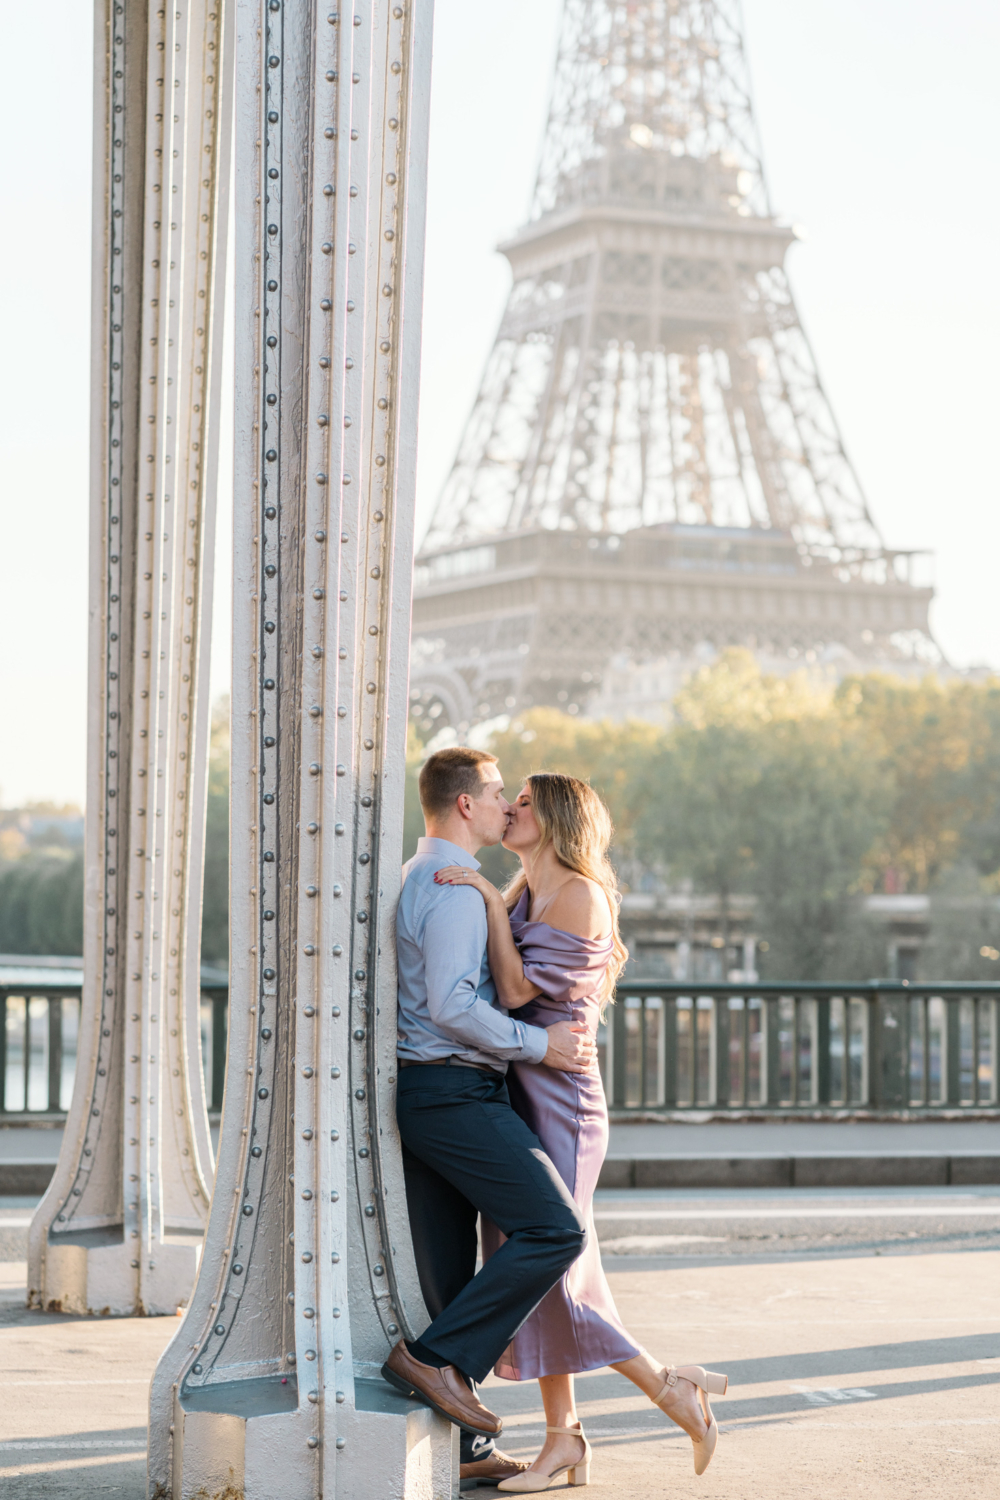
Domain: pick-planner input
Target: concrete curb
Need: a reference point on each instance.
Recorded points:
(763, 1170)
(22, 1178)
(915, 1169)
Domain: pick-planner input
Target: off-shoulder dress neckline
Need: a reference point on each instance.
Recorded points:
(576, 936)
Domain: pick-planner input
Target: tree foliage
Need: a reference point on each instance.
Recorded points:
(41, 904)
(805, 796)
(41, 892)
(215, 902)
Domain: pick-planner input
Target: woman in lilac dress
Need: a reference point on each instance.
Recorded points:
(555, 952)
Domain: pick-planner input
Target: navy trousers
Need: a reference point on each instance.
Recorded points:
(466, 1152)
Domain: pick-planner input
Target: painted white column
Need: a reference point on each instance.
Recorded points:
(120, 1228)
(271, 1385)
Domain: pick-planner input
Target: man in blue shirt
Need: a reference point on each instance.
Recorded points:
(465, 1151)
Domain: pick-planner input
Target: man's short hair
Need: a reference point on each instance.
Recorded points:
(446, 774)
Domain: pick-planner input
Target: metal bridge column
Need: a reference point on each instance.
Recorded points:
(120, 1227)
(271, 1385)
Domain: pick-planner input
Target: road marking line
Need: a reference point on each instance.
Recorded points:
(80, 1461)
(822, 1395)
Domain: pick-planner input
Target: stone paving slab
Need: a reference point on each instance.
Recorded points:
(874, 1377)
(854, 1371)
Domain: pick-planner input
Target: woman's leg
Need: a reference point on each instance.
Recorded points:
(560, 1411)
(680, 1403)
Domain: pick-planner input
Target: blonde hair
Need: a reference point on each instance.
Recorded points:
(573, 819)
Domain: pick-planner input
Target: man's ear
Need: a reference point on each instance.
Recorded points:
(464, 804)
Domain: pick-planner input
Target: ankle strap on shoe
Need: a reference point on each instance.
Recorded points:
(575, 1431)
(669, 1381)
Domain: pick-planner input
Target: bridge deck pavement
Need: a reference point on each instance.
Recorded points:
(871, 1369)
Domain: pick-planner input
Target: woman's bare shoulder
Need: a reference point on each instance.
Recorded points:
(581, 907)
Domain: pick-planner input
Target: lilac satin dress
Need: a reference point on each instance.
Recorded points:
(576, 1326)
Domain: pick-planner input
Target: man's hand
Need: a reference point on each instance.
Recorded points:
(571, 1048)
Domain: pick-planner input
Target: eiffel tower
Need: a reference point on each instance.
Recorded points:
(651, 470)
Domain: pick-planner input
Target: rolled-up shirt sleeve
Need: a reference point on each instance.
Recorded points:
(454, 938)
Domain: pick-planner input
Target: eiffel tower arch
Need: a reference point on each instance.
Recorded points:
(651, 469)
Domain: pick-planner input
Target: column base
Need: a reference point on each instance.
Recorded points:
(235, 1442)
(95, 1272)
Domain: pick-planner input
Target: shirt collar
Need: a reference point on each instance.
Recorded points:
(445, 849)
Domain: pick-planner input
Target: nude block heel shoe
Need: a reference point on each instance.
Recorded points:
(707, 1382)
(576, 1473)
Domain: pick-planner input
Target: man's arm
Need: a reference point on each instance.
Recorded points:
(453, 941)
(453, 938)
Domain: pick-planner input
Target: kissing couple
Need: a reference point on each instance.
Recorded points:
(503, 1117)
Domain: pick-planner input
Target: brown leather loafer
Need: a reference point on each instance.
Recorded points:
(490, 1470)
(443, 1389)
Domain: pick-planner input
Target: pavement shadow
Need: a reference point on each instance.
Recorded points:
(14, 1313)
(821, 1363)
(602, 1386)
(101, 1475)
(110, 1438)
(795, 1402)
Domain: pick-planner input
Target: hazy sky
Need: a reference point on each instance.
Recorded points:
(881, 125)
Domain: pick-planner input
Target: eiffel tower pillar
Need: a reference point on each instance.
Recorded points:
(120, 1228)
(271, 1386)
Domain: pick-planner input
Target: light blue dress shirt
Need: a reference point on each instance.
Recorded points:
(448, 1003)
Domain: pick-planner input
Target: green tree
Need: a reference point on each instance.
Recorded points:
(41, 904)
(215, 899)
(937, 743)
(819, 806)
(964, 937)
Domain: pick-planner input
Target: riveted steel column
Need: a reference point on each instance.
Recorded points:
(271, 1385)
(120, 1228)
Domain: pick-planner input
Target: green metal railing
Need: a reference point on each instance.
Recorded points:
(38, 1037)
(39, 1029)
(886, 1046)
(880, 1046)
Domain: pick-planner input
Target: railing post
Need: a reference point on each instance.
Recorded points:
(975, 1050)
(619, 1057)
(722, 1014)
(796, 1068)
(26, 1053)
(55, 1052)
(890, 1025)
(3, 1052)
(822, 1060)
(670, 1053)
(953, 1050)
(643, 1051)
(773, 1053)
(219, 1040)
(871, 1082)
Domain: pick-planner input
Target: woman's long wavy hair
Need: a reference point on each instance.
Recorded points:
(573, 819)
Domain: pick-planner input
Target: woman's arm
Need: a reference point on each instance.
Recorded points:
(506, 967)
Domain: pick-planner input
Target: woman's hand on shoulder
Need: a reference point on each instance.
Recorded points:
(581, 907)
(460, 875)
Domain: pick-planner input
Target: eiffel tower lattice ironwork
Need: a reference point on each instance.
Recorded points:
(651, 374)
